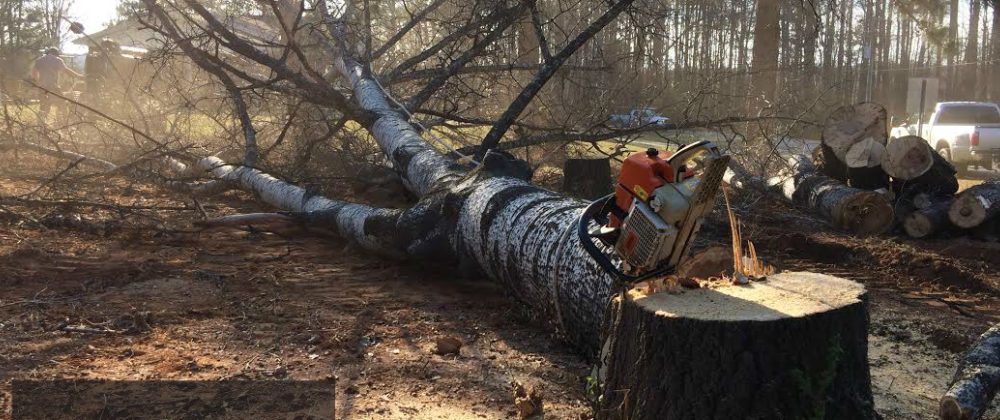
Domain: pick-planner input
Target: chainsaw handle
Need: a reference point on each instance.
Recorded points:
(678, 160)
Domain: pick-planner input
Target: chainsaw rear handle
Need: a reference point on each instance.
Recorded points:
(600, 209)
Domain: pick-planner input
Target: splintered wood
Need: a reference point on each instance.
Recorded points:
(746, 265)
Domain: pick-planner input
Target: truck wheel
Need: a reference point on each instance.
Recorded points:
(961, 168)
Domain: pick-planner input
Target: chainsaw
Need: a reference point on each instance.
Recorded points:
(646, 226)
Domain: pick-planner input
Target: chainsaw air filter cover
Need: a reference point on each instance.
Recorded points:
(645, 238)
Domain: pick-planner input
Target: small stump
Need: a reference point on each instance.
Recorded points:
(587, 178)
(793, 346)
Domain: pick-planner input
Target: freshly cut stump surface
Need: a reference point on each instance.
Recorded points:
(792, 346)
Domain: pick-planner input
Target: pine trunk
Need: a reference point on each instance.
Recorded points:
(792, 346)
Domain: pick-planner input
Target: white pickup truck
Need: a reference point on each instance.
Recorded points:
(964, 133)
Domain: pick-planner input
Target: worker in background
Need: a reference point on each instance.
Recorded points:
(45, 73)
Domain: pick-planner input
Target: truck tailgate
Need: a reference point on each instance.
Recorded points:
(989, 139)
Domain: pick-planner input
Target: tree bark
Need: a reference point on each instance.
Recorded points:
(976, 380)
(587, 178)
(975, 205)
(828, 164)
(766, 36)
(792, 346)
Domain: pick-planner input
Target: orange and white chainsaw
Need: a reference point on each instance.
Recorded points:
(646, 227)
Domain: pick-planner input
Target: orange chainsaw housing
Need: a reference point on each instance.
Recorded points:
(642, 173)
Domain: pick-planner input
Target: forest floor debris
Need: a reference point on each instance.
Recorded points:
(250, 305)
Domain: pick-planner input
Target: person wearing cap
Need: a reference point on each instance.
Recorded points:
(45, 73)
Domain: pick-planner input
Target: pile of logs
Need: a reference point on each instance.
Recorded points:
(860, 181)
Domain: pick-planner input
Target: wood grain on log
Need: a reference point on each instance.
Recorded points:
(937, 182)
(792, 346)
(929, 220)
(975, 205)
(907, 157)
(852, 124)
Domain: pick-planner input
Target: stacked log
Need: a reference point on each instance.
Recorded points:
(927, 221)
(855, 160)
(976, 205)
(853, 145)
(855, 210)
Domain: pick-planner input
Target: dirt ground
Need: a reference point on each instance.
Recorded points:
(92, 292)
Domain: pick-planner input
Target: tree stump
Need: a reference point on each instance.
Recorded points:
(793, 346)
(587, 178)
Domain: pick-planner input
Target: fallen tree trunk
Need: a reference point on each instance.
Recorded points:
(932, 219)
(792, 346)
(975, 205)
(976, 380)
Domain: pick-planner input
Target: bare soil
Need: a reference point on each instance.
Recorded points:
(92, 292)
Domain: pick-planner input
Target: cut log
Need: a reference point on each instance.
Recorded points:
(975, 205)
(976, 380)
(852, 124)
(861, 172)
(792, 346)
(937, 181)
(859, 211)
(927, 221)
(587, 178)
(907, 157)
(867, 153)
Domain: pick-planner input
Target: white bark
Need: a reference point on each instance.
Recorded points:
(976, 380)
(348, 219)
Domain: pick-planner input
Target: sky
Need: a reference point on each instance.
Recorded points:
(93, 14)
